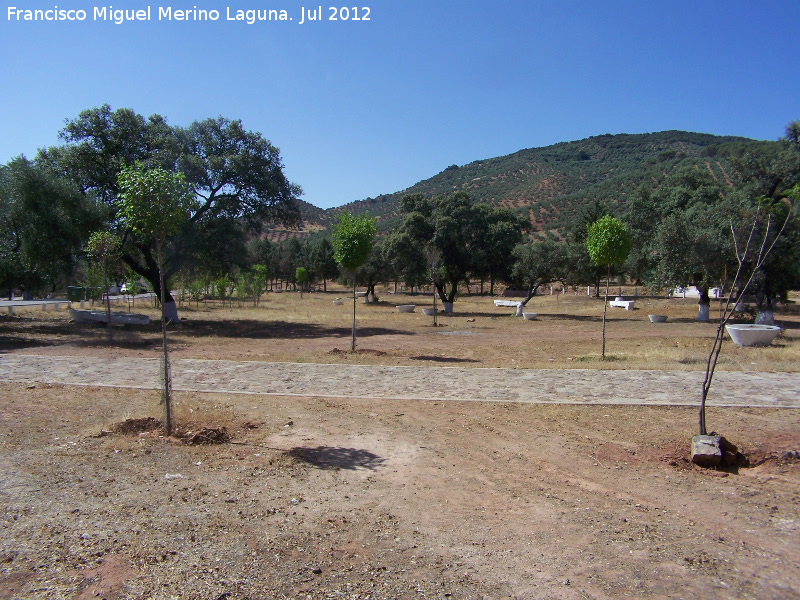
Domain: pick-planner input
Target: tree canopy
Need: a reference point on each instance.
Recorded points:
(235, 175)
(608, 241)
(353, 240)
(43, 222)
(474, 239)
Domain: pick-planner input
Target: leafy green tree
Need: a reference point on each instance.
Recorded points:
(235, 175)
(301, 276)
(318, 254)
(103, 246)
(154, 204)
(536, 264)
(767, 175)
(43, 222)
(258, 281)
(503, 231)
(461, 230)
(581, 268)
(608, 243)
(353, 240)
(377, 268)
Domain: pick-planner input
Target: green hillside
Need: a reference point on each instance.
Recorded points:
(550, 184)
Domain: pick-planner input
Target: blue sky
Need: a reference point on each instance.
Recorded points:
(360, 108)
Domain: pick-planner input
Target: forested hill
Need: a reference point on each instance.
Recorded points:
(550, 184)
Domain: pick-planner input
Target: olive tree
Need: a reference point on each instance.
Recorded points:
(353, 239)
(154, 204)
(608, 243)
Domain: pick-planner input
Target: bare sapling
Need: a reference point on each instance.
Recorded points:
(744, 263)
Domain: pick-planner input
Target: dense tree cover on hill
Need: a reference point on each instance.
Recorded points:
(551, 184)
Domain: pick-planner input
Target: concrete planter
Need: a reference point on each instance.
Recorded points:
(658, 318)
(752, 335)
(429, 311)
(530, 316)
(405, 308)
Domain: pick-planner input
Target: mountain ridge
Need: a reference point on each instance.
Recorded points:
(551, 183)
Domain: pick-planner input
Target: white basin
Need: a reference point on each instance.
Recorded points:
(404, 308)
(752, 335)
(530, 316)
(658, 318)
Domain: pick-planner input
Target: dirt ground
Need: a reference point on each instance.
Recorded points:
(321, 498)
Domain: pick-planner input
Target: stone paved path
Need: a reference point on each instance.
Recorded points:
(567, 386)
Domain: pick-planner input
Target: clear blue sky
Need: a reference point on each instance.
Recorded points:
(370, 107)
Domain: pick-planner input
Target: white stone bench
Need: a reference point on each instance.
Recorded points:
(626, 304)
(513, 303)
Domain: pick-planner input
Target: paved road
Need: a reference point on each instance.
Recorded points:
(567, 386)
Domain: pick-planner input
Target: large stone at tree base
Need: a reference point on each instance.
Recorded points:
(707, 450)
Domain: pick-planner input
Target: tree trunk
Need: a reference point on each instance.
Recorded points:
(521, 305)
(353, 336)
(108, 305)
(605, 306)
(166, 394)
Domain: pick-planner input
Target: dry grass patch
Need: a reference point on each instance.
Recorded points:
(286, 328)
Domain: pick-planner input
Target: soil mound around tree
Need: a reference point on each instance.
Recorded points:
(136, 426)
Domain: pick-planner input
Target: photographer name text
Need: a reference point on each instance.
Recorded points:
(118, 16)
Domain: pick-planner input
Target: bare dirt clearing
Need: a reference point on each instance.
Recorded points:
(317, 497)
(358, 499)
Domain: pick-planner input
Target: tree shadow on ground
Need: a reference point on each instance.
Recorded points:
(444, 359)
(9, 343)
(568, 317)
(24, 335)
(328, 457)
(252, 329)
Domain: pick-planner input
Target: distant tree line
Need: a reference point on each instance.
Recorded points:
(681, 230)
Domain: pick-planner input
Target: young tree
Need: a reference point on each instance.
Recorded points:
(301, 276)
(353, 240)
(103, 246)
(608, 243)
(751, 253)
(154, 204)
(433, 256)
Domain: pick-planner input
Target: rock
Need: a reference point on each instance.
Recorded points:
(706, 451)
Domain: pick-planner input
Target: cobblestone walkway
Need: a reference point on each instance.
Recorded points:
(566, 386)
